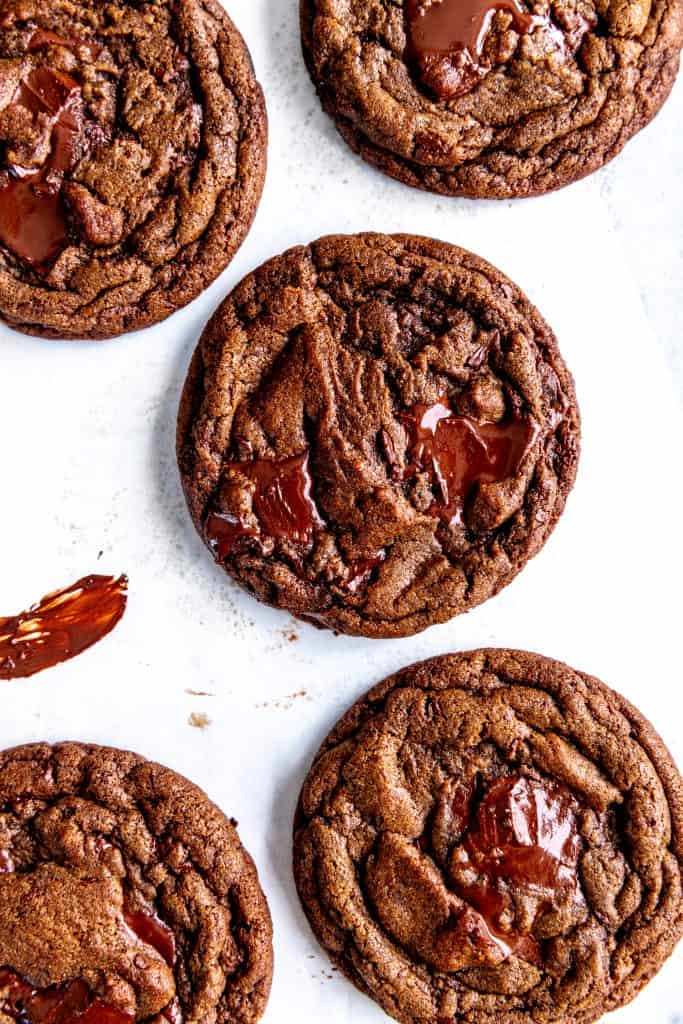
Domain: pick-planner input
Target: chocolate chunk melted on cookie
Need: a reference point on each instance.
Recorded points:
(48, 110)
(516, 857)
(457, 453)
(72, 1003)
(151, 929)
(62, 625)
(77, 926)
(448, 39)
(521, 848)
(281, 505)
(42, 39)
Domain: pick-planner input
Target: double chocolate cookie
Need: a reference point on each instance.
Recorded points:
(377, 433)
(125, 895)
(493, 837)
(491, 98)
(132, 159)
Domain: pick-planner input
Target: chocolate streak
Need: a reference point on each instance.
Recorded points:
(61, 625)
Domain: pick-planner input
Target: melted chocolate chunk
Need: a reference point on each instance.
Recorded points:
(359, 574)
(281, 503)
(458, 453)
(72, 1003)
(32, 217)
(523, 839)
(6, 863)
(61, 625)
(151, 929)
(447, 39)
(102, 1013)
(526, 834)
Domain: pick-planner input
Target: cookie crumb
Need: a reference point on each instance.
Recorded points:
(198, 720)
(200, 693)
(285, 703)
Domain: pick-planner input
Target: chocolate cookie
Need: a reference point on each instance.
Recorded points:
(132, 159)
(377, 433)
(491, 99)
(125, 895)
(495, 838)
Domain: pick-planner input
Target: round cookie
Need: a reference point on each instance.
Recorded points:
(125, 895)
(132, 159)
(491, 99)
(493, 837)
(376, 433)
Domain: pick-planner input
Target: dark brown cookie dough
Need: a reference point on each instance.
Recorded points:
(125, 895)
(377, 433)
(486, 99)
(493, 838)
(132, 160)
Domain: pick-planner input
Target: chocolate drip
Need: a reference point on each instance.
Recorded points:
(61, 625)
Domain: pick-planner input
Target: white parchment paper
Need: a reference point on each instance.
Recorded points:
(89, 484)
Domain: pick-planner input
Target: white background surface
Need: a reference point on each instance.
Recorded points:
(88, 466)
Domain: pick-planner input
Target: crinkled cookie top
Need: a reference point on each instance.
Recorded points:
(132, 155)
(472, 97)
(493, 838)
(125, 895)
(377, 433)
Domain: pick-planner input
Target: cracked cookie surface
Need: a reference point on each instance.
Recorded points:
(546, 93)
(132, 159)
(376, 433)
(125, 895)
(493, 837)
